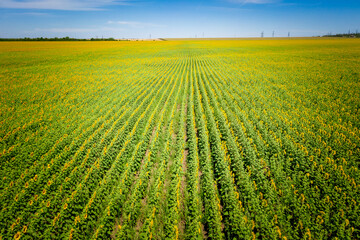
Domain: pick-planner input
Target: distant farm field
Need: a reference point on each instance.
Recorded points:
(225, 139)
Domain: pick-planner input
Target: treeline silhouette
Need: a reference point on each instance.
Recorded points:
(57, 39)
(347, 35)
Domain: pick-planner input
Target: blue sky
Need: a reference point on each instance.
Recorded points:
(174, 18)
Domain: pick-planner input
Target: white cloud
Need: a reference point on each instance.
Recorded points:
(253, 1)
(136, 24)
(124, 23)
(31, 14)
(65, 30)
(73, 30)
(73, 5)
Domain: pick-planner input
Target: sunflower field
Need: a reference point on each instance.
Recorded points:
(182, 139)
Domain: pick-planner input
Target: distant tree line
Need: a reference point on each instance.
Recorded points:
(346, 35)
(57, 39)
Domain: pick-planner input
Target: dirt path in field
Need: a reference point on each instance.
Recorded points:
(181, 224)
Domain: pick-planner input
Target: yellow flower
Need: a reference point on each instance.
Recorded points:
(347, 222)
(17, 236)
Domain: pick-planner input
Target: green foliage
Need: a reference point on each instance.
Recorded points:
(180, 140)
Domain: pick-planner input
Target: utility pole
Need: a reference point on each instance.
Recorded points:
(262, 34)
(273, 34)
(288, 34)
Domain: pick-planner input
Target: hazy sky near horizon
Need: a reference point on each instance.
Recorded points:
(174, 18)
